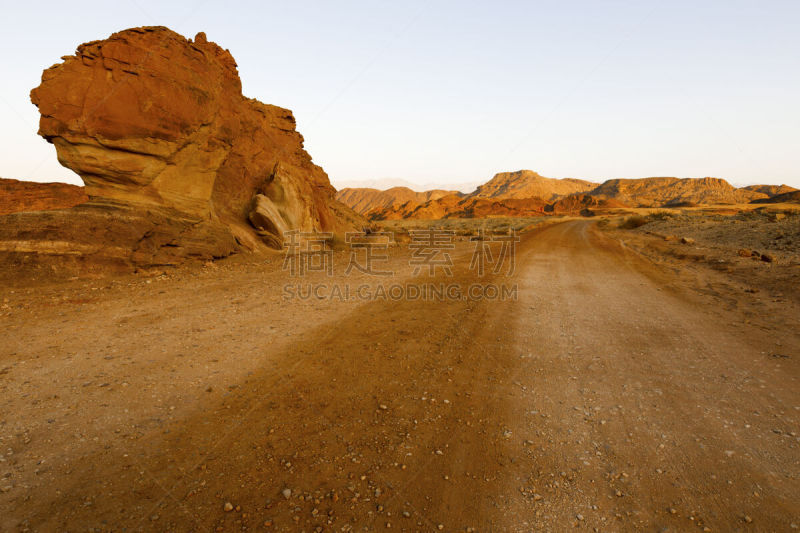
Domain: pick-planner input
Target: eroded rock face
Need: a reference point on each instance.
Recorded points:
(96, 238)
(16, 196)
(657, 192)
(581, 202)
(150, 118)
(266, 218)
(770, 190)
(529, 184)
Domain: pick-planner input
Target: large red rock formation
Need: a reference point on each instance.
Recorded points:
(157, 123)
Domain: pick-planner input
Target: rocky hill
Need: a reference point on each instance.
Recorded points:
(529, 184)
(542, 195)
(363, 200)
(581, 203)
(402, 202)
(657, 192)
(453, 206)
(791, 197)
(18, 196)
(431, 210)
(770, 190)
(158, 129)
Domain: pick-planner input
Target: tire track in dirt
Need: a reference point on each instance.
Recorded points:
(596, 400)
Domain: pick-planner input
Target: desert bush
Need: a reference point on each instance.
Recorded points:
(634, 222)
(660, 215)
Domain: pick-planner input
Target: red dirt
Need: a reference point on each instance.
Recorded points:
(610, 395)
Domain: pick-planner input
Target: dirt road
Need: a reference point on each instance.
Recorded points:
(609, 396)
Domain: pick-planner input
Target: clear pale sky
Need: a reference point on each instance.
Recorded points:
(446, 92)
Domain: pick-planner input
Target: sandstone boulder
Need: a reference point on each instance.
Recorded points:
(157, 123)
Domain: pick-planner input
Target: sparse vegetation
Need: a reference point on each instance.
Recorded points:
(633, 222)
(660, 215)
(468, 227)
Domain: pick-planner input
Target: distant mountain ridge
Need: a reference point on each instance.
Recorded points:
(384, 184)
(530, 184)
(526, 193)
(365, 200)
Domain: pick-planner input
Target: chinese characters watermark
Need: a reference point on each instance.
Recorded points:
(430, 254)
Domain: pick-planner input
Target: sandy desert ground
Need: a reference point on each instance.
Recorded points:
(626, 388)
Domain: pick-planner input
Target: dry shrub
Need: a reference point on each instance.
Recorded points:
(634, 222)
(660, 215)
